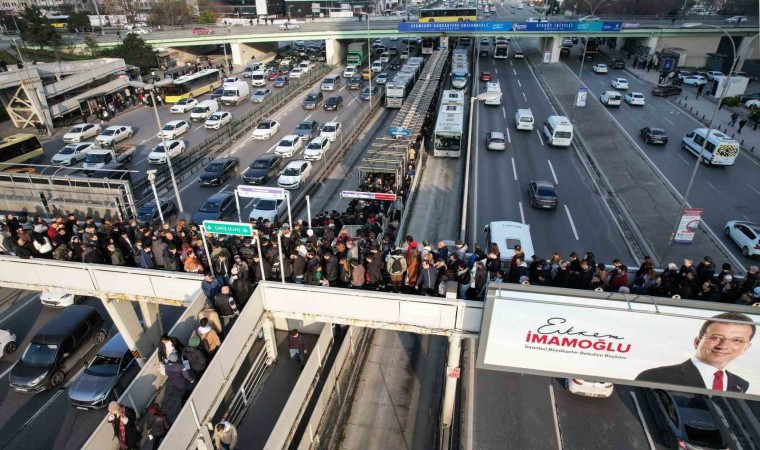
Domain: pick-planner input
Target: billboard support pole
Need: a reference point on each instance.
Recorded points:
(237, 205)
(308, 211)
(208, 254)
(452, 377)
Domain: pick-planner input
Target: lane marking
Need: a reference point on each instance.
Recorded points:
(539, 136)
(522, 213)
(524, 97)
(642, 420)
(555, 416)
(495, 71)
(509, 138)
(668, 120)
(514, 169)
(513, 70)
(711, 185)
(518, 83)
(552, 169)
(2, 376)
(29, 298)
(504, 112)
(685, 160)
(572, 224)
(223, 188)
(748, 185)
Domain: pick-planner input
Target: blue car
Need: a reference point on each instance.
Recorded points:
(217, 207)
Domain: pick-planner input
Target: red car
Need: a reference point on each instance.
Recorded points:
(485, 76)
(274, 74)
(201, 30)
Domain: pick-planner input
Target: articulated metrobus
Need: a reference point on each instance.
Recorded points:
(449, 136)
(19, 149)
(193, 85)
(448, 15)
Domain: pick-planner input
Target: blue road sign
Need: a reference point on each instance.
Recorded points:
(399, 131)
(442, 27)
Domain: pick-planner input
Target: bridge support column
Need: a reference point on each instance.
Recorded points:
(151, 320)
(125, 319)
(552, 45)
(335, 51)
(452, 378)
(242, 54)
(270, 339)
(27, 104)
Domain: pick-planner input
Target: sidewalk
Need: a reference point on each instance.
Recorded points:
(702, 108)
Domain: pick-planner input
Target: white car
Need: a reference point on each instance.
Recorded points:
(114, 134)
(752, 103)
(381, 78)
(289, 26)
(532, 20)
(305, 66)
(174, 128)
(230, 80)
(694, 80)
(713, 74)
(331, 130)
(589, 388)
(588, 19)
(620, 83)
(599, 68)
(349, 71)
(635, 98)
(7, 342)
(296, 73)
(316, 149)
(289, 145)
(265, 209)
(377, 66)
(746, 235)
(183, 106)
(218, 120)
(611, 98)
(737, 19)
(266, 129)
(72, 153)
(139, 31)
(58, 299)
(295, 173)
(158, 155)
(79, 133)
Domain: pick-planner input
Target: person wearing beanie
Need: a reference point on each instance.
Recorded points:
(124, 422)
(179, 376)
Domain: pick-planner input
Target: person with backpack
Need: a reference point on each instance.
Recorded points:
(396, 266)
(156, 425)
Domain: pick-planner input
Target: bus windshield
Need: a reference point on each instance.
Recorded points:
(448, 142)
(448, 15)
(20, 148)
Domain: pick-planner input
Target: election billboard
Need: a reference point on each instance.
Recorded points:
(498, 26)
(687, 348)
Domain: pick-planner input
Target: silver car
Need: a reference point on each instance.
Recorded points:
(105, 377)
(259, 95)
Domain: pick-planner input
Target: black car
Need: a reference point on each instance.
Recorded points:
(333, 103)
(148, 213)
(543, 194)
(307, 129)
(394, 66)
(218, 171)
(617, 63)
(587, 58)
(686, 420)
(666, 90)
(744, 98)
(564, 51)
(262, 168)
(217, 94)
(653, 135)
(312, 100)
(368, 93)
(217, 207)
(355, 82)
(56, 348)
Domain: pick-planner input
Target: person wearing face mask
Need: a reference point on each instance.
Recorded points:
(124, 422)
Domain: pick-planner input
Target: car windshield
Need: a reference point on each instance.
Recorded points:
(304, 126)
(291, 172)
(215, 117)
(95, 158)
(497, 140)
(67, 150)
(311, 98)
(314, 145)
(280, 79)
(265, 205)
(657, 132)
(40, 354)
(214, 167)
(264, 126)
(285, 143)
(159, 148)
(108, 132)
(260, 93)
(545, 191)
(168, 127)
(210, 207)
(329, 128)
(259, 165)
(184, 101)
(77, 129)
(103, 366)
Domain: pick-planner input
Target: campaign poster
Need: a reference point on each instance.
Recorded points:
(688, 225)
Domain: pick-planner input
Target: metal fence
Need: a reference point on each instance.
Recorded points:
(197, 157)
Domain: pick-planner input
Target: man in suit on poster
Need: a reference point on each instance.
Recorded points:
(716, 346)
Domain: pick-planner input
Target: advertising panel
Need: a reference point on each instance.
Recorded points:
(688, 225)
(682, 348)
(440, 27)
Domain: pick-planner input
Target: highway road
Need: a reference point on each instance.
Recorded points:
(725, 193)
(47, 419)
(246, 149)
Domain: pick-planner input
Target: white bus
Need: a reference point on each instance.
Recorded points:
(501, 48)
(397, 89)
(493, 87)
(448, 136)
(507, 235)
(720, 149)
(558, 131)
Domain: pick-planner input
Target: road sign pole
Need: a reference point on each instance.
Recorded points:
(308, 211)
(261, 257)
(237, 205)
(208, 255)
(290, 217)
(279, 245)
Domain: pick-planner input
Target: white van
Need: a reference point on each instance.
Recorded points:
(720, 149)
(235, 93)
(558, 131)
(258, 78)
(330, 82)
(507, 235)
(524, 119)
(204, 109)
(493, 87)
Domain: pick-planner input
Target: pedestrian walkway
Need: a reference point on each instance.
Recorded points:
(703, 107)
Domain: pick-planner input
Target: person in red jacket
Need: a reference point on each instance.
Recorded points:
(619, 278)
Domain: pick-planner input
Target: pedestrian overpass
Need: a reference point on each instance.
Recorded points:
(225, 385)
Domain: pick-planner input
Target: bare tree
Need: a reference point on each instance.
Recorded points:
(128, 8)
(169, 12)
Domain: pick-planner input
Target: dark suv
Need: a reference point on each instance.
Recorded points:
(355, 82)
(312, 100)
(56, 348)
(307, 129)
(333, 103)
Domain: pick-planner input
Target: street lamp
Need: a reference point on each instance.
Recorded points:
(697, 163)
(585, 47)
(152, 181)
(369, 64)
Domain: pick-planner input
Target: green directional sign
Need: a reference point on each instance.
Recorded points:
(232, 228)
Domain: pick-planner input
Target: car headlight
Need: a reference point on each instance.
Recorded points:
(102, 396)
(38, 380)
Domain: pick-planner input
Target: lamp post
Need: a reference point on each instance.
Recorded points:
(697, 163)
(166, 150)
(100, 18)
(583, 54)
(152, 181)
(369, 64)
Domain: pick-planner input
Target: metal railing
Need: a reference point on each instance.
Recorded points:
(247, 390)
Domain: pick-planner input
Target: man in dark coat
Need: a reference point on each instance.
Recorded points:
(179, 376)
(195, 356)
